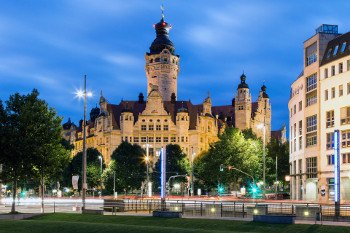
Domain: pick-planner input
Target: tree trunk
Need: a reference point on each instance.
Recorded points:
(42, 193)
(13, 209)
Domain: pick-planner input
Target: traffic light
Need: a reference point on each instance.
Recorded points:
(221, 189)
(222, 169)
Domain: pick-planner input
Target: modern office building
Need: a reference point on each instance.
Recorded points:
(317, 106)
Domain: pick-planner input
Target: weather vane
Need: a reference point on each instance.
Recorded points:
(162, 8)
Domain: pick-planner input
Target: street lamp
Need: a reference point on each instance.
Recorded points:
(83, 94)
(262, 126)
(192, 184)
(100, 157)
(147, 159)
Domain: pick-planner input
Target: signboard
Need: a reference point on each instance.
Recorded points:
(75, 180)
(243, 191)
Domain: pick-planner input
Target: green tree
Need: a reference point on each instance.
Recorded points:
(93, 167)
(177, 163)
(128, 163)
(32, 135)
(232, 149)
(280, 150)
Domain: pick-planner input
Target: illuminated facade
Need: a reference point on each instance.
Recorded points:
(320, 104)
(162, 119)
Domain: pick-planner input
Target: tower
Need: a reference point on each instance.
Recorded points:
(243, 105)
(262, 116)
(162, 65)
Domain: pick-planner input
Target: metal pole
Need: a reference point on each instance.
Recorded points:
(264, 190)
(114, 185)
(192, 183)
(101, 178)
(276, 181)
(84, 185)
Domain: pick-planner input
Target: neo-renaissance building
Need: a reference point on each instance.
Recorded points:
(319, 104)
(162, 119)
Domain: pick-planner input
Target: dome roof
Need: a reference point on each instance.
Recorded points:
(162, 40)
(207, 100)
(243, 84)
(263, 89)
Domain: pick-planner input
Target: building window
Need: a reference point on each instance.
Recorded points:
(348, 88)
(165, 127)
(311, 54)
(343, 47)
(173, 139)
(345, 138)
(335, 50)
(136, 139)
(143, 139)
(151, 127)
(158, 127)
(330, 159)
(300, 106)
(294, 167)
(340, 68)
(333, 71)
(326, 73)
(165, 139)
(157, 59)
(143, 127)
(329, 53)
(311, 82)
(326, 95)
(348, 64)
(182, 139)
(291, 112)
(330, 141)
(300, 166)
(295, 144)
(300, 142)
(345, 116)
(295, 109)
(240, 107)
(151, 61)
(346, 158)
(295, 129)
(311, 167)
(333, 92)
(311, 139)
(311, 100)
(311, 123)
(150, 139)
(341, 90)
(158, 139)
(330, 119)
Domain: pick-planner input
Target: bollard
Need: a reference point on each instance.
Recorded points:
(201, 209)
(243, 209)
(221, 210)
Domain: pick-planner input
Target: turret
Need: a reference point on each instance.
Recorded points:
(162, 65)
(243, 105)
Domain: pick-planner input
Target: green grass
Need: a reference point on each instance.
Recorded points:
(98, 223)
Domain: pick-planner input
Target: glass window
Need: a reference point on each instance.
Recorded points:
(136, 139)
(345, 116)
(295, 109)
(158, 127)
(348, 88)
(333, 71)
(345, 138)
(311, 167)
(335, 50)
(173, 139)
(330, 159)
(346, 158)
(348, 65)
(151, 127)
(311, 123)
(329, 53)
(311, 59)
(165, 139)
(166, 127)
(340, 68)
(326, 73)
(311, 82)
(300, 106)
(150, 139)
(330, 119)
(330, 141)
(143, 127)
(311, 139)
(157, 59)
(341, 90)
(311, 54)
(300, 142)
(333, 92)
(300, 128)
(300, 166)
(343, 47)
(158, 139)
(326, 95)
(311, 100)
(143, 139)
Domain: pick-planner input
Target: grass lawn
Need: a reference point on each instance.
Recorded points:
(98, 223)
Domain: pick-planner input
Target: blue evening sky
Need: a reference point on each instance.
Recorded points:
(50, 45)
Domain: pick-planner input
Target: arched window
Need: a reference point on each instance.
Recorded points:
(151, 61)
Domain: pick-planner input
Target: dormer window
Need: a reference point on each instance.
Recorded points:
(165, 59)
(329, 53)
(343, 47)
(154, 76)
(157, 59)
(335, 50)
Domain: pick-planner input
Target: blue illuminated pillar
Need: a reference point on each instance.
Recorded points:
(162, 177)
(336, 173)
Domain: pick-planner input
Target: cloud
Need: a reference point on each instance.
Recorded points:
(121, 59)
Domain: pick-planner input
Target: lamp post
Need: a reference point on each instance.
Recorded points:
(276, 188)
(262, 126)
(149, 186)
(83, 94)
(100, 157)
(192, 184)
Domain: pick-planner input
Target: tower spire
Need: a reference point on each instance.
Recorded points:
(162, 8)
